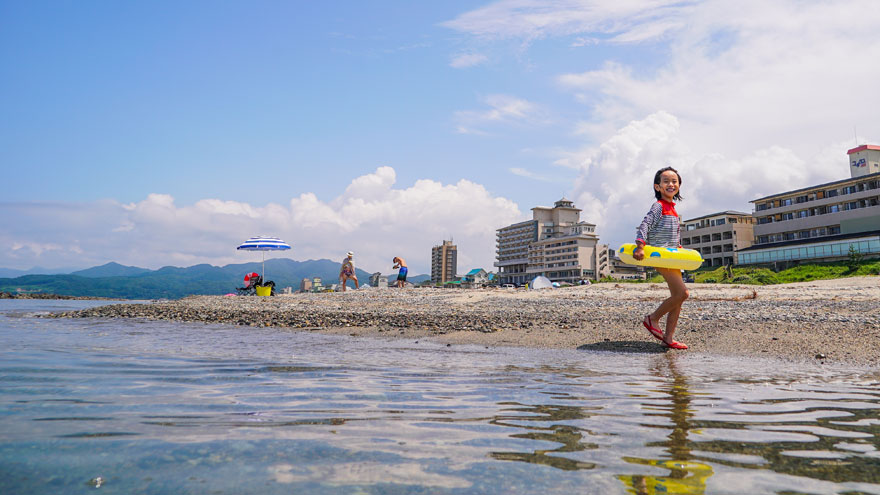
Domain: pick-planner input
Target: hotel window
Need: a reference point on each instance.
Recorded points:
(833, 208)
(834, 230)
(786, 202)
(831, 193)
(803, 214)
(801, 199)
(848, 190)
(731, 220)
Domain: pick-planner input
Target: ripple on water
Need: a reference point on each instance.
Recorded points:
(202, 408)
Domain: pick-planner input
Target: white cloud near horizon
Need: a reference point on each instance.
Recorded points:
(371, 216)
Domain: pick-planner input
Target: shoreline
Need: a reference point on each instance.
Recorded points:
(819, 321)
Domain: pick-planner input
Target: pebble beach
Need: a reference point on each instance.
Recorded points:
(821, 321)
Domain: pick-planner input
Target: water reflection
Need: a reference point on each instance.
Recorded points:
(570, 437)
(210, 409)
(686, 475)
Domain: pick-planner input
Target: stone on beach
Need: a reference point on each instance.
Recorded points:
(837, 318)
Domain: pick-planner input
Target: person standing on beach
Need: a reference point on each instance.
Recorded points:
(347, 271)
(401, 275)
(662, 228)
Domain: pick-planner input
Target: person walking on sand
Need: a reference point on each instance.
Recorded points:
(347, 271)
(401, 275)
(662, 228)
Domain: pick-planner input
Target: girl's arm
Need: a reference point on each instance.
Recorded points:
(648, 223)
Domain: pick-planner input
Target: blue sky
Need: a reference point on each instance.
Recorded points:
(163, 133)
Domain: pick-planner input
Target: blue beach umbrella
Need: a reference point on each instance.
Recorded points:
(264, 244)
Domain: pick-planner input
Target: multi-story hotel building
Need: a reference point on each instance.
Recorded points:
(821, 223)
(444, 262)
(610, 265)
(718, 236)
(555, 244)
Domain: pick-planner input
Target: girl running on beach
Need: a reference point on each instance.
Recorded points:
(662, 228)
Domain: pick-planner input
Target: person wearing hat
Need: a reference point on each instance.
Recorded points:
(347, 271)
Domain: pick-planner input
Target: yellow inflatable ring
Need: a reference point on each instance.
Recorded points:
(661, 257)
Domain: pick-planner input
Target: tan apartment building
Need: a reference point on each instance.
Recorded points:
(610, 265)
(444, 262)
(822, 222)
(624, 271)
(718, 236)
(555, 244)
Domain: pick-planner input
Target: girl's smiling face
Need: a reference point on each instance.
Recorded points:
(668, 186)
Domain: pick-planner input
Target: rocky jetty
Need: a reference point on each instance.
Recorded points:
(40, 295)
(817, 321)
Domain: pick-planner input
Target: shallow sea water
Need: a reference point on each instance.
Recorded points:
(158, 407)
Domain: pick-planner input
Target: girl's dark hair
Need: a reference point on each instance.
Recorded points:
(657, 194)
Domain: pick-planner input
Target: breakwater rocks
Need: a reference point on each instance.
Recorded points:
(40, 295)
(838, 319)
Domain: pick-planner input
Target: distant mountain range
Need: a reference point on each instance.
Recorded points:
(128, 282)
(37, 270)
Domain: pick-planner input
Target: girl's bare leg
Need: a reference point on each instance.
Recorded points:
(672, 305)
(671, 322)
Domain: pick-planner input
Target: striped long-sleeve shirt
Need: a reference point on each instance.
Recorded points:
(661, 226)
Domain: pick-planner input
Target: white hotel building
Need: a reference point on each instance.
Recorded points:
(822, 222)
(554, 243)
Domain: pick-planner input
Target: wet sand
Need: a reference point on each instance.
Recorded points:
(820, 321)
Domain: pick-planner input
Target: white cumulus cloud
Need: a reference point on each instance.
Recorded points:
(614, 187)
(370, 216)
(745, 98)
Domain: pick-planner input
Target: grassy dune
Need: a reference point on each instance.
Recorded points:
(801, 273)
